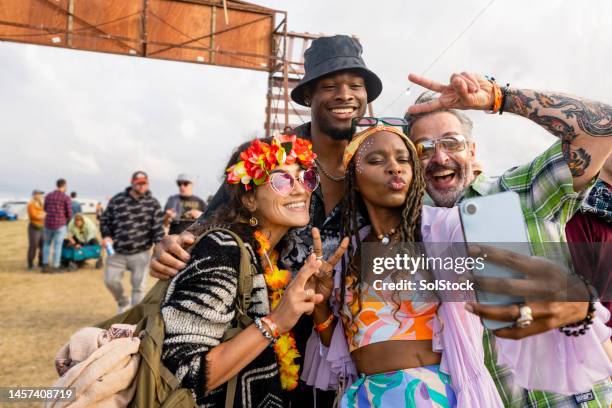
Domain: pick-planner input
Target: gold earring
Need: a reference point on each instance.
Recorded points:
(253, 221)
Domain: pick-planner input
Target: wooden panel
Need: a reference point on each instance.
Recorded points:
(34, 13)
(248, 33)
(173, 24)
(175, 30)
(117, 18)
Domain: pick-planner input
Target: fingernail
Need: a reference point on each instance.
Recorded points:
(469, 307)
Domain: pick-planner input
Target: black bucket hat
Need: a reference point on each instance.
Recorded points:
(327, 55)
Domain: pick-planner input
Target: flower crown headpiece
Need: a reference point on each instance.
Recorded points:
(258, 161)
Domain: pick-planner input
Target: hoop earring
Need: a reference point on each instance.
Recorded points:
(253, 221)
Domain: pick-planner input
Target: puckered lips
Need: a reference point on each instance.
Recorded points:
(396, 183)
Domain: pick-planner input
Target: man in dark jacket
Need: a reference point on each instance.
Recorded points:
(131, 225)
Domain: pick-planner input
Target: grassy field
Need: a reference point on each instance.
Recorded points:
(39, 311)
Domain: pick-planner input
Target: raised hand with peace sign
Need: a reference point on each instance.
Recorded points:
(299, 298)
(464, 91)
(323, 280)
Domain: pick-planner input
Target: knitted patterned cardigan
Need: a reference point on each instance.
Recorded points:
(199, 307)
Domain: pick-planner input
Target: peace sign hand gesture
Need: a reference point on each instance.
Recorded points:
(323, 280)
(464, 91)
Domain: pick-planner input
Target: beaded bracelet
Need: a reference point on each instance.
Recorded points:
(581, 327)
(504, 91)
(323, 326)
(575, 329)
(263, 330)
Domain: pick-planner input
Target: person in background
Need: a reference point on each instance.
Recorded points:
(36, 213)
(99, 211)
(81, 231)
(76, 206)
(589, 233)
(184, 208)
(131, 223)
(59, 212)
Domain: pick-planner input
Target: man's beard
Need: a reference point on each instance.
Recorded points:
(449, 196)
(336, 133)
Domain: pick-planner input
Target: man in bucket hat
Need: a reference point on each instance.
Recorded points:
(337, 86)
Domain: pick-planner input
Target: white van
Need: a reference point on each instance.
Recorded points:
(88, 205)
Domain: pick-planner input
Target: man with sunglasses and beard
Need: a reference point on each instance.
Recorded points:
(552, 188)
(184, 208)
(337, 86)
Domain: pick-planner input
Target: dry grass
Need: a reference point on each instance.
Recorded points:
(39, 311)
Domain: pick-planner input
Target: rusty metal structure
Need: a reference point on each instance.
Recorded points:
(229, 33)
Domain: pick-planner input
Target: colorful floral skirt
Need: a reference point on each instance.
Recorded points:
(421, 387)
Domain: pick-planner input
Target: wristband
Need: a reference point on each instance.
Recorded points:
(271, 326)
(262, 329)
(323, 326)
(497, 98)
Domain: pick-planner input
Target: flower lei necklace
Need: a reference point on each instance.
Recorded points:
(277, 280)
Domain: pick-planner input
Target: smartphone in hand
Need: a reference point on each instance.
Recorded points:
(495, 220)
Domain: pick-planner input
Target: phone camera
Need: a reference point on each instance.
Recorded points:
(471, 208)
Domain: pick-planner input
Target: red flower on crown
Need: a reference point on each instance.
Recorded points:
(261, 158)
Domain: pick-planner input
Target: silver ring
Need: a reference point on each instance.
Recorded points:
(525, 319)
(320, 258)
(309, 293)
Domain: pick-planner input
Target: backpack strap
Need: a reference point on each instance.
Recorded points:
(245, 287)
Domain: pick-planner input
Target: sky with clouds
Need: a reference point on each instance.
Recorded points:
(95, 118)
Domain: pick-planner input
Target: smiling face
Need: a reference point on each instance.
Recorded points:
(447, 174)
(274, 210)
(383, 170)
(335, 100)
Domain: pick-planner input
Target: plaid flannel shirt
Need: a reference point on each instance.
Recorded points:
(548, 201)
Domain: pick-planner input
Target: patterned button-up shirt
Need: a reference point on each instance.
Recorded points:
(548, 200)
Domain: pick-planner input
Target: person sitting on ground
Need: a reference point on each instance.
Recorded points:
(81, 232)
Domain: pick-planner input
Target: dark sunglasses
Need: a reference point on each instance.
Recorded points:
(450, 144)
(366, 122)
(284, 183)
(183, 183)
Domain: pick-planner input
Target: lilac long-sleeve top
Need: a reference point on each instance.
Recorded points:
(549, 361)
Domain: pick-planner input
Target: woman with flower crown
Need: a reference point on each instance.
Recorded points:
(269, 182)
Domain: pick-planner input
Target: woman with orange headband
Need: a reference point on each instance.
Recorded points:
(414, 351)
(269, 182)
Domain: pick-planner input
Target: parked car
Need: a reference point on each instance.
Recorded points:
(5, 215)
(18, 208)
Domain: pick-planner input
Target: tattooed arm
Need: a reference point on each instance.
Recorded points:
(584, 126)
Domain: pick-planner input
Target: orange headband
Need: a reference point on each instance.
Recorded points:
(361, 137)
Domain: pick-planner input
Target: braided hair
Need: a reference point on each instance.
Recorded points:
(409, 230)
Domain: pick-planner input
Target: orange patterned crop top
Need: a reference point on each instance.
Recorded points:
(376, 321)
